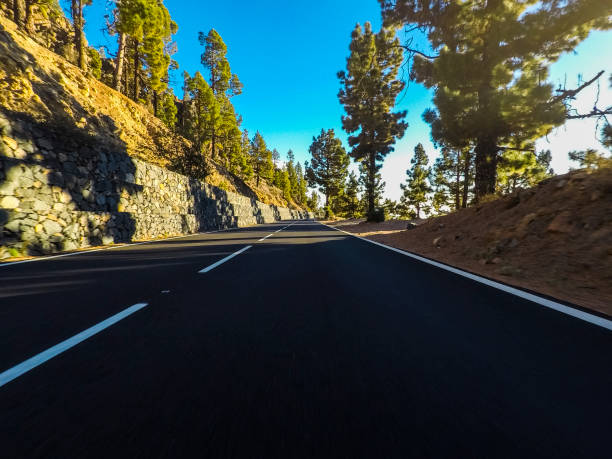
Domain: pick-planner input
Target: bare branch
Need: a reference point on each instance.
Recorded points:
(565, 94)
(415, 51)
(595, 113)
(532, 150)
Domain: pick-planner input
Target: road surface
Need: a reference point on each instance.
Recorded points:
(310, 343)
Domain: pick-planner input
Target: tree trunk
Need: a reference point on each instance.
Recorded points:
(486, 166)
(80, 38)
(458, 180)
(155, 103)
(213, 141)
(29, 17)
(136, 70)
(371, 183)
(119, 63)
(466, 179)
(17, 12)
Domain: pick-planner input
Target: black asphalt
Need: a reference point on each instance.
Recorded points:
(310, 344)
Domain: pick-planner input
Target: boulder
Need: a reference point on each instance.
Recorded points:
(51, 227)
(9, 202)
(562, 223)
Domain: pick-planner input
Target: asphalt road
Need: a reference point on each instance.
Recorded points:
(311, 343)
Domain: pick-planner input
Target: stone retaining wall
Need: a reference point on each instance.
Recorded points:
(59, 193)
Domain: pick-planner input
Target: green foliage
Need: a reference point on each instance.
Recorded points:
(369, 90)
(281, 181)
(522, 169)
(606, 130)
(263, 167)
(417, 183)
(95, 63)
(590, 158)
(328, 166)
(167, 110)
(376, 190)
(150, 28)
(301, 196)
(490, 69)
(224, 128)
(201, 109)
(377, 215)
(390, 208)
(313, 201)
(352, 204)
(606, 134)
(451, 179)
(245, 163)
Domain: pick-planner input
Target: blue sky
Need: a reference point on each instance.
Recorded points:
(287, 55)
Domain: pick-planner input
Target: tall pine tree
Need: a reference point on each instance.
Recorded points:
(489, 68)
(417, 183)
(328, 165)
(370, 87)
(263, 167)
(224, 85)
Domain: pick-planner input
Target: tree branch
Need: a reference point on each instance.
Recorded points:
(571, 93)
(517, 149)
(415, 51)
(595, 113)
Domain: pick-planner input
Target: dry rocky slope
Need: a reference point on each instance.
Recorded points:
(555, 239)
(82, 165)
(37, 85)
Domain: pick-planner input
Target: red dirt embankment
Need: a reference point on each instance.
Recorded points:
(555, 238)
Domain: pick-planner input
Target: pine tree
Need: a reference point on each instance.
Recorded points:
(451, 179)
(167, 109)
(262, 159)
(94, 63)
(292, 175)
(313, 202)
(329, 163)
(246, 162)
(375, 195)
(522, 169)
(223, 83)
(202, 108)
(417, 183)
(390, 208)
(369, 91)
(76, 10)
(144, 26)
(302, 185)
(490, 68)
(351, 197)
(606, 130)
(589, 158)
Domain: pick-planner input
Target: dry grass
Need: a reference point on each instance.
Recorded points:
(39, 85)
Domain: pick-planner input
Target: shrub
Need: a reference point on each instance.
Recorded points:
(377, 215)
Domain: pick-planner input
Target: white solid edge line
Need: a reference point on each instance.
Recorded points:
(577, 313)
(220, 262)
(18, 370)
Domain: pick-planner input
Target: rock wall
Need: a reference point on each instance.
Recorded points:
(61, 192)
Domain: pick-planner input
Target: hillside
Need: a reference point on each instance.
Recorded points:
(43, 89)
(555, 238)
